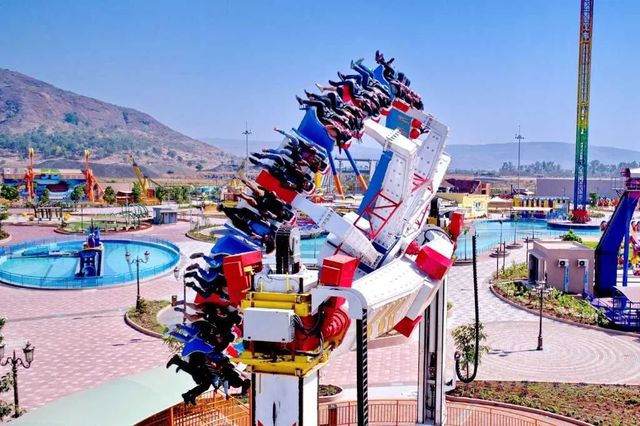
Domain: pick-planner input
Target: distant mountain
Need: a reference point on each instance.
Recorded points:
(238, 146)
(472, 157)
(491, 156)
(60, 125)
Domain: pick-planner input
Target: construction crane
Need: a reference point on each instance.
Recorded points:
(93, 190)
(580, 212)
(148, 197)
(30, 176)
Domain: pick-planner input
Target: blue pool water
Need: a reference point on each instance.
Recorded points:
(59, 272)
(488, 232)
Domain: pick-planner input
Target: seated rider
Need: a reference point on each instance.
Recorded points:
(290, 175)
(266, 202)
(251, 224)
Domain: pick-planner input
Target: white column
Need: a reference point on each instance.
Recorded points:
(280, 400)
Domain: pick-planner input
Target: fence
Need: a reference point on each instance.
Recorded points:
(478, 415)
(214, 410)
(620, 310)
(34, 281)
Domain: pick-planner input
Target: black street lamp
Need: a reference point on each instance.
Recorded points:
(177, 274)
(137, 261)
(543, 290)
(16, 361)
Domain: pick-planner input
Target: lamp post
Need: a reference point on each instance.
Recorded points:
(519, 137)
(138, 260)
(16, 361)
(543, 290)
(177, 274)
(246, 134)
(504, 248)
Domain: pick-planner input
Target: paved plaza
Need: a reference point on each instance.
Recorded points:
(82, 340)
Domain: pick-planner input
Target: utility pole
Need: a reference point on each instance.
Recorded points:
(246, 134)
(519, 138)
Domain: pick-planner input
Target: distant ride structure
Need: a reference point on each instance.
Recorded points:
(580, 212)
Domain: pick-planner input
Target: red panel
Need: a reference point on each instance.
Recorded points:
(338, 270)
(400, 105)
(239, 281)
(456, 225)
(434, 264)
(406, 325)
(266, 180)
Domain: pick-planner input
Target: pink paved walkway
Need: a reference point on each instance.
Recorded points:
(81, 338)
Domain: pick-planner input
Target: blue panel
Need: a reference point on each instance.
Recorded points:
(376, 182)
(230, 244)
(609, 245)
(399, 120)
(378, 74)
(312, 129)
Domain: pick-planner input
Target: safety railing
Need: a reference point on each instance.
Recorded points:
(620, 310)
(476, 415)
(213, 409)
(26, 280)
(397, 412)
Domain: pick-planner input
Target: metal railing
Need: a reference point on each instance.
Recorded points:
(213, 409)
(478, 415)
(620, 310)
(34, 281)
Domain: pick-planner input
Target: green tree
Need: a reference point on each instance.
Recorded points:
(109, 195)
(593, 198)
(4, 215)
(464, 337)
(6, 384)
(9, 192)
(162, 193)
(77, 194)
(136, 192)
(199, 167)
(44, 197)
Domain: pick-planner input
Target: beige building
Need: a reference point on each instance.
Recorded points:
(567, 265)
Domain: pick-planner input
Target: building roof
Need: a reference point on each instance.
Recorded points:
(465, 186)
(124, 401)
(560, 245)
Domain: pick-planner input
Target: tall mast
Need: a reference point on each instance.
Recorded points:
(580, 213)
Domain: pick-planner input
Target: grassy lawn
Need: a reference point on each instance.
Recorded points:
(556, 304)
(596, 404)
(147, 316)
(590, 244)
(203, 234)
(82, 227)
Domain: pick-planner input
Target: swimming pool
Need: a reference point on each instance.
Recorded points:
(59, 272)
(488, 232)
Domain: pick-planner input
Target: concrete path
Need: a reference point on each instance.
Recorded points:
(571, 354)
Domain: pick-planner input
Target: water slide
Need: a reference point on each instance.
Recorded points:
(609, 245)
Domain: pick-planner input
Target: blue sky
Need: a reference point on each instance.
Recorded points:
(204, 67)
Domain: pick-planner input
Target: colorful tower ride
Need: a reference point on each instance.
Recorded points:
(580, 213)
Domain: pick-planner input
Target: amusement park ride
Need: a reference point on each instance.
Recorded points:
(382, 268)
(52, 180)
(580, 212)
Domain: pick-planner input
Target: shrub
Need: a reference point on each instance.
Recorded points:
(571, 236)
(464, 337)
